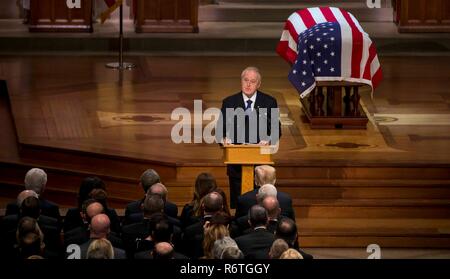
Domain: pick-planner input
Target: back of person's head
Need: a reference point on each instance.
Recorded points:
(30, 244)
(291, 254)
(158, 189)
(272, 206)
(212, 202)
(35, 180)
(100, 226)
(162, 229)
(267, 190)
(265, 174)
(153, 204)
(225, 207)
(278, 247)
(287, 230)
(25, 194)
(87, 185)
(148, 178)
(257, 216)
(220, 218)
(100, 249)
(221, 244)
(204, 184)
(27, 232)
(232, 253)
(30, 207)
(100, 195)
(163, 250)
(90, 208)
(213, 232)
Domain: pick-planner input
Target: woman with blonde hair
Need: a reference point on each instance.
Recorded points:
(100, 249)
(214, 229)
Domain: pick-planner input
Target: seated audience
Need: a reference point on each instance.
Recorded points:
(256, 244)
(287, 230)
(149, 178)
(100, 228)
(204, 184)
(264, 175)
(193, 236)
(36, 180)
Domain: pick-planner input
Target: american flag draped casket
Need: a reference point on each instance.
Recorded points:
(327, 44)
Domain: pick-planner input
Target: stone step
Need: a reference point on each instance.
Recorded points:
(397, 232)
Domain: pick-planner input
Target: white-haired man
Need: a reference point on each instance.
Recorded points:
(265, 178)
(36, 180)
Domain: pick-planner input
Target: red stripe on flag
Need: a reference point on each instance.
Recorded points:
(307, 18)
(283, 48)
(376, 79)
(328, 14)
(357, 48)
(372, 53)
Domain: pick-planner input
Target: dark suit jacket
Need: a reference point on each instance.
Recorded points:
(73, 220)
(242, 226)
(170, 209)
(48, 225)
(256, 245)
(187, 217)
(80, 235)
(263, 101)
(148, 255)
(118, 253)
(193, 240)
(247, 200)
(47, 208)
(133, 233)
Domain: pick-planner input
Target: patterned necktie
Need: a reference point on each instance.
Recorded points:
(249, 104)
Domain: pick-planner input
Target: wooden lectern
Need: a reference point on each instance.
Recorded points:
(248, 156)
(422, 15)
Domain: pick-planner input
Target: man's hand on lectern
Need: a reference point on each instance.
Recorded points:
(226, 141)
(264, 142)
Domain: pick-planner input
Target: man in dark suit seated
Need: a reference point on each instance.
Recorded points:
(100, 228)
(81, 234)
(264, 175)
(30, 207)
(161, 232)
(256, 244)
(36, 180)
(194, 234)
(149, 178)
(273, 212)
(287, 230)
(133, 233)
(247, 117)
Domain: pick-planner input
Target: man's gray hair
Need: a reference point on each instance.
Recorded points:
(267, 190)
(148, 178)
(254, 69)
(35, 180)
(220, 245)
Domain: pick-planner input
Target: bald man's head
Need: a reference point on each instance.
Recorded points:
(158, 189)
(163, 250)
(25, 194)
(94, 209)
(213, 202)
(272, 206)
(100, 226)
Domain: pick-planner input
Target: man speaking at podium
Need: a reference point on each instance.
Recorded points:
(247, 118)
